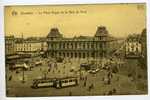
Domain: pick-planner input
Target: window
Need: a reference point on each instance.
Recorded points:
(83, 45)
(59, 45)
(79, 55)
(52, 45)
(63, 45)
(75, 45)
(64, 54)
(67, 54)
(88, 46)
(100, 45)
(67, 45)
(83, 55)
(72, 45)
(59, 53)
(75, 55)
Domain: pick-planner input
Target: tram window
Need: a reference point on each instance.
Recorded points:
(70, 80)
(66, 81)
(63, 81)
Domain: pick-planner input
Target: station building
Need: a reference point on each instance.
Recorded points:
(78, 47)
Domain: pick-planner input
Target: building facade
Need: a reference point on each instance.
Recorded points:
(143, 43)
(10, 45)
(78, 47)
(30, 47)
(133, 47)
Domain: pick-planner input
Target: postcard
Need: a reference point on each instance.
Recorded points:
(76, 50)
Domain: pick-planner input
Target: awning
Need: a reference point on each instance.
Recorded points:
(13, 57)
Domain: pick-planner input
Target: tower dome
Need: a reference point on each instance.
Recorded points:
(101, 31)
(54, 33)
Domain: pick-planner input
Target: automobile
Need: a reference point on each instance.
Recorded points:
(71, 70)
(38, 63)
(86, 66)
(94, 71)
(97, 69)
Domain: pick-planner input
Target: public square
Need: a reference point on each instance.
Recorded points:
(121, 83)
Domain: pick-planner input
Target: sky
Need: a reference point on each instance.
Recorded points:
(75, 20)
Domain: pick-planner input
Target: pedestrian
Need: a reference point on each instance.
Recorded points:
(109, 81)
(70, 93)
(7, 91)
(110, 92)
(117, 79)
(110, 74)
(89, 88)
(50, 64)
(49, 69)
(10, 78)
(86, 78)
(114, 91)
(84, 83)
(17, 72)
(92, 86)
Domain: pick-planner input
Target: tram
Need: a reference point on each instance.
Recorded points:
(41, 83)
(66, 82)
(55, 82)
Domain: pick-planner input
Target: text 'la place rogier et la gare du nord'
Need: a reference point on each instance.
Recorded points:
(54, 12)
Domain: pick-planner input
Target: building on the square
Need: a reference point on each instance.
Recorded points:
(133, 47)
(30, 47)
(143, 43)
(10, 51)
(115, 45)
(10, 45)
(78, 47)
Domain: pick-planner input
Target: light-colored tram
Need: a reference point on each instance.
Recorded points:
(66, 82)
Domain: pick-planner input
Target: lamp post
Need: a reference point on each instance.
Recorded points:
(23, 78)
(80, 72)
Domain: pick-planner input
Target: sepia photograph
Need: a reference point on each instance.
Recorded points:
(76, 50)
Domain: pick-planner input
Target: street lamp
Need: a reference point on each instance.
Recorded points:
(23, 78)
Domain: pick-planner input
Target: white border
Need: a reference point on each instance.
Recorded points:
(48, 2)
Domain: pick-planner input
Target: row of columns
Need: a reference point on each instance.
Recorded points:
(77, 45)
(77, 54)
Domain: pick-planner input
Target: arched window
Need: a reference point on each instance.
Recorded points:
(71, 55)
(75, 45)
(79, 55)
(64, 46)
(83, 45)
